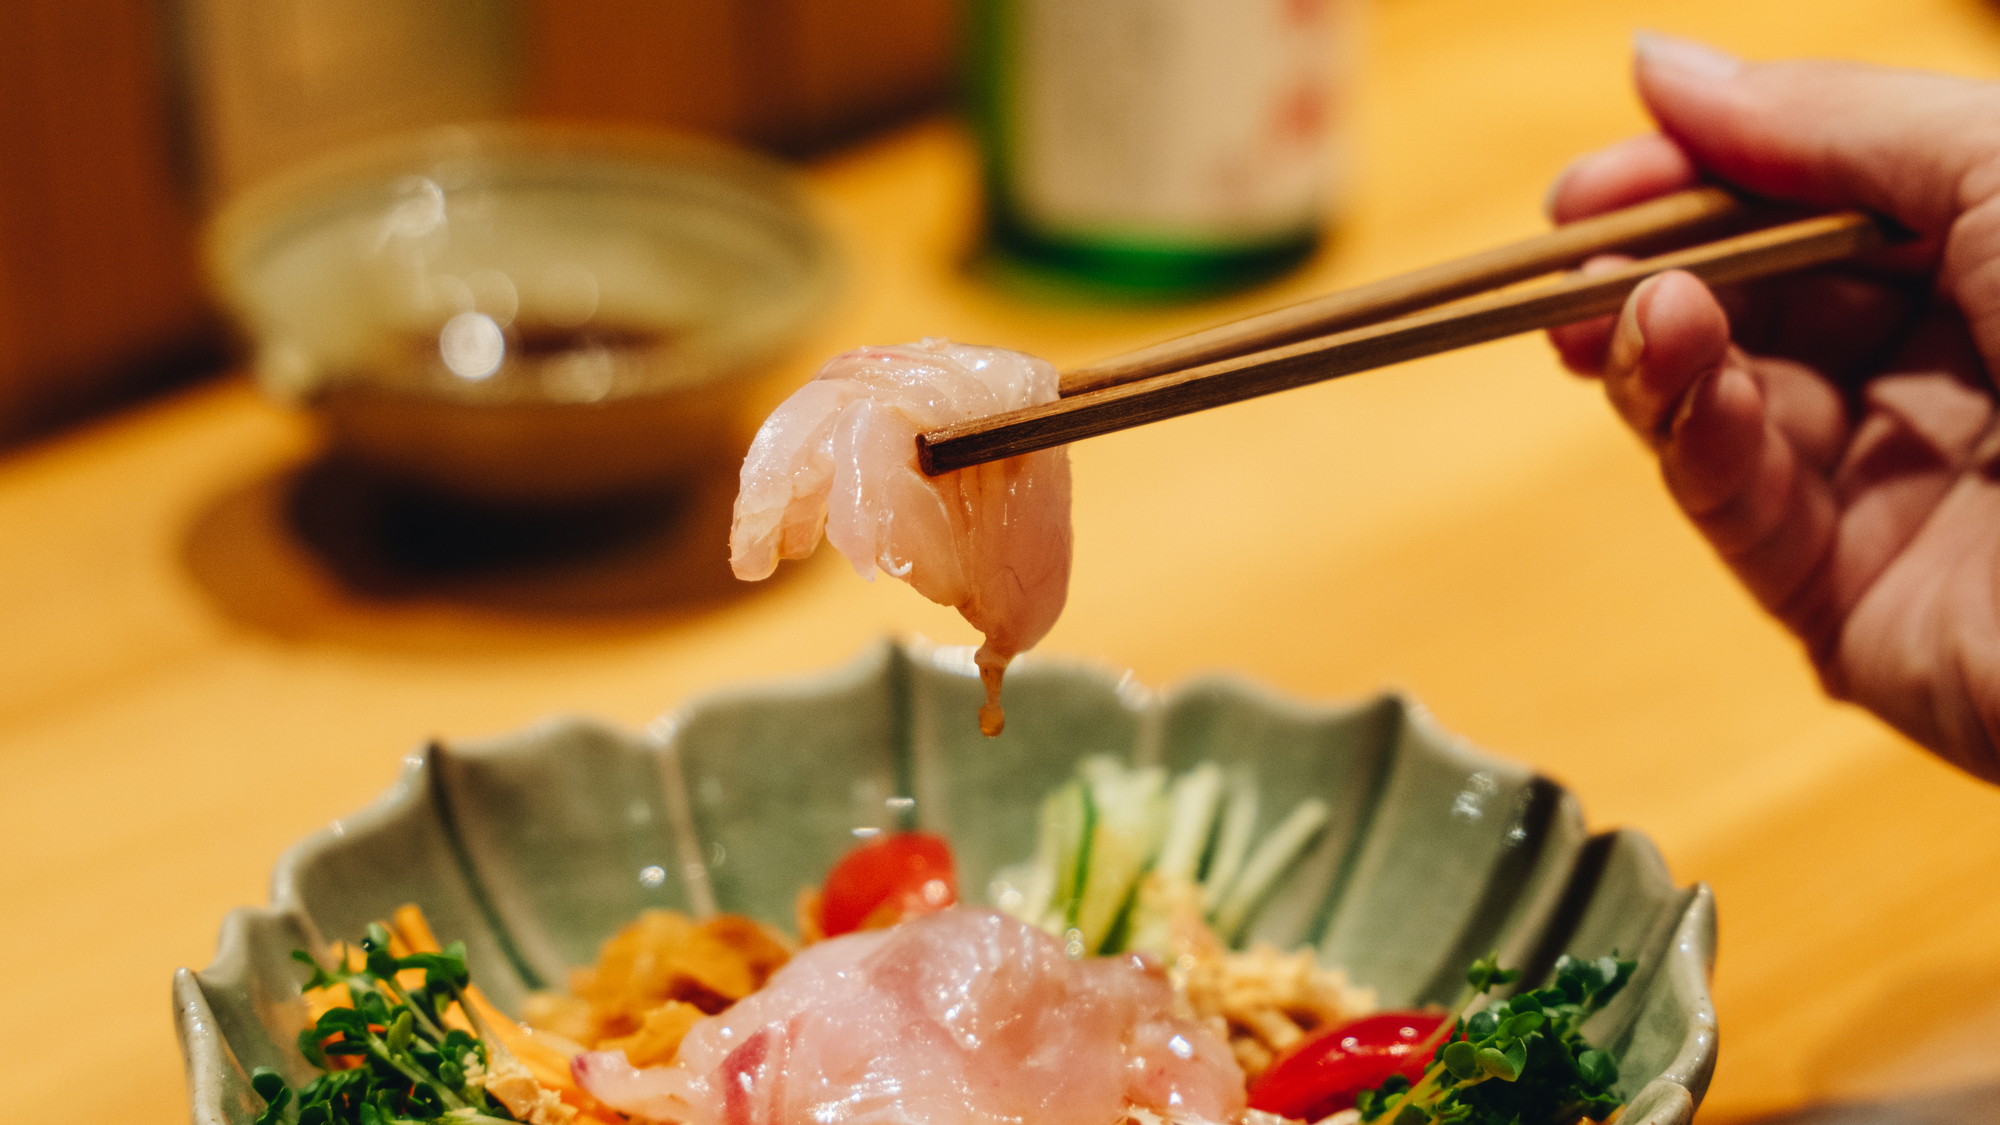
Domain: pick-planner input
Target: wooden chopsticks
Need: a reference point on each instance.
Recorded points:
(1319, 339)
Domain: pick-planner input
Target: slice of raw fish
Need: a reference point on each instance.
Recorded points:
(966, 1017)
(992, 540)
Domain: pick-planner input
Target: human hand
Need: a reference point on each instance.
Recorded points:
(1832, 434)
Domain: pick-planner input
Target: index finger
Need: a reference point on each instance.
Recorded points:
(1631, 171)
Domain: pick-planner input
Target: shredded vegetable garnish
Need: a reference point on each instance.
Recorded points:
(1122, 848)
(390, 1055)
(1522, 1059)
(403, 1037)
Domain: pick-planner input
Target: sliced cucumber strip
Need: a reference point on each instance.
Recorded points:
(1195, 798)
(1066, 829)
(1130, 807)
(1232, 843)
(1267, 865)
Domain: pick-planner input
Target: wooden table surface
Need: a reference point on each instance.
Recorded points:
(186, 686)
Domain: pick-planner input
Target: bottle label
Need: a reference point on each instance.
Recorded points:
(1191, 121)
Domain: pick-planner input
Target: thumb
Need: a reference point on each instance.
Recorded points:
(1918, 147)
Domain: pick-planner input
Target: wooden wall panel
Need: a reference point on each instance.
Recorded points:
(97, 273)
(792, 74)
(639, 60)
(856, 63)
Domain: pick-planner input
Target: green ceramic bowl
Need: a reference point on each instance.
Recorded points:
(532, 848)
(522, 313)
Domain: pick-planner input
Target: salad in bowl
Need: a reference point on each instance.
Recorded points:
(828, 903)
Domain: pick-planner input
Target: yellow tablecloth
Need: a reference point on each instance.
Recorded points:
(185, 688)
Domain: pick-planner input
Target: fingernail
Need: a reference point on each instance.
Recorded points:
(1556, 185)
(1628, 340)
(1676, 420)
(1669, 52)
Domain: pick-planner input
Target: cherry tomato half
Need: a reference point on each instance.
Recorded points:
(1321, 1074)
(887, 880)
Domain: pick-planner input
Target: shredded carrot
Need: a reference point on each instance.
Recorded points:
(410, 927)
(548, 1063)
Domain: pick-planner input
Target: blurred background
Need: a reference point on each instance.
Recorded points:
(373, 371)
(128, 122)
(534, 267)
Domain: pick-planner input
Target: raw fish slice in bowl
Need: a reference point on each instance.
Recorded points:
(966, 1016)
(992, 540)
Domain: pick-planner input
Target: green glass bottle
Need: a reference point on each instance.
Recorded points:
(1155, 148)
